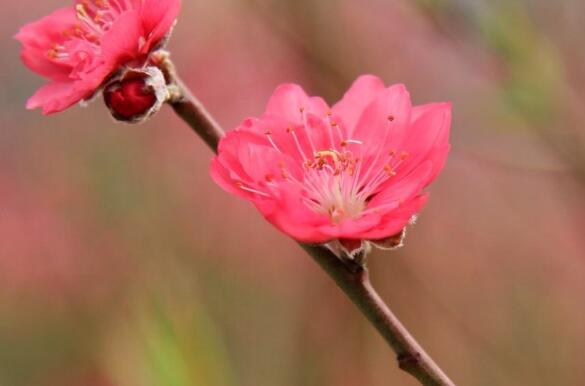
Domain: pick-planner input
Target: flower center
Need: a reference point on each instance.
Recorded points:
(340, 180)
(329, 184)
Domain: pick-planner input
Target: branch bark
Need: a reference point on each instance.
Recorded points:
(351, 276)
(354, 279)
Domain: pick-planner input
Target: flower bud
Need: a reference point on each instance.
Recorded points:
(136, 95)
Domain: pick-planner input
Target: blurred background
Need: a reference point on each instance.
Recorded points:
(122, 264)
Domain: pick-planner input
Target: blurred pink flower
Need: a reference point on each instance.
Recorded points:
(352, 173)
(78, 47)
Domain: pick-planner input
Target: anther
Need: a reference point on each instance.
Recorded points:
(388, 169)
(82, 12)
(391, 118)
(404, 155)
(268, 134)
(283, 172)
(52, 53)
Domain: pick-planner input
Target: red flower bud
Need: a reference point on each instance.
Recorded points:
(131, 98)
(136, 94)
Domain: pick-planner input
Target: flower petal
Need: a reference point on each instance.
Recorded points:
(39, 37)
(57, 96)
(361, 93)
(122, 42)
(293, 217)
(385, 120)
(158, 17)
(404, 189)
(428, 138)
(288, 100)
(394, 221)
(352, 228)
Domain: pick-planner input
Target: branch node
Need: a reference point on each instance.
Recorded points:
(408, 360)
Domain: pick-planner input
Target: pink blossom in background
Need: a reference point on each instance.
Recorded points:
(78, 47)
(352, 173)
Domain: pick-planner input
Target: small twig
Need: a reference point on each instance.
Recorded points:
(187, 106)
(350, 275)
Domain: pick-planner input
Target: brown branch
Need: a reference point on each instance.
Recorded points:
(196, 116)
(186, 105)
(354, 280)
(351, 276)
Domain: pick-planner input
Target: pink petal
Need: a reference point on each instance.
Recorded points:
(158, 17)
(382, 127)
(223, 177)
(394, 221)
(386, 119)
(277, 133)
(38, 38)
(352, 228)
(361, 93)
(435, 117)
(428, 137)
(262, 164)
(292, 217)
(56, 97)
(249, 133)
(288, 100)
(121, 44)
(247, 166)
(438, 157)
(229, 151)
(404, 189)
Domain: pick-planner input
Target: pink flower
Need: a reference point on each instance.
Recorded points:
(352, 173)
(78, 48)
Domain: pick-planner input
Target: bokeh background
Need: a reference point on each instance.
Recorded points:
(122, 264)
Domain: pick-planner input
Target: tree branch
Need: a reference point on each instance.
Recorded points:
(354, 280)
